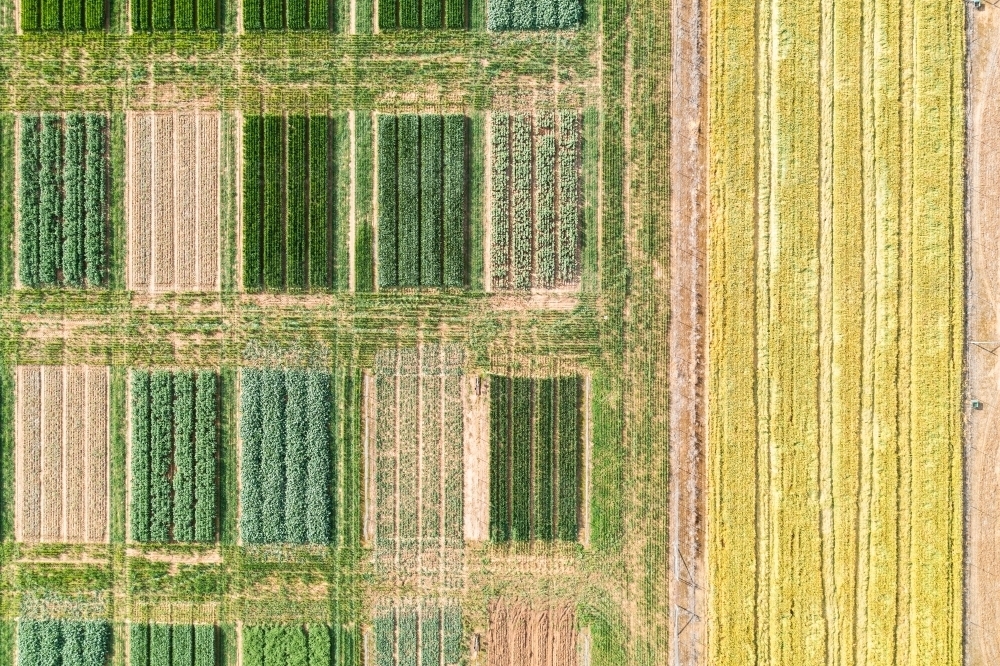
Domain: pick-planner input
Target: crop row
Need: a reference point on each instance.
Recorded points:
(423, 218)
(535, 452)
(296, 215)
(424, 635)
(534, 14)
(172, 645)
(289, 14)
(174, 446)
(63, 643)
(299, 645)
(286, 471)
(535, 213)
(64, 15)
(64, 207)
(180, 15)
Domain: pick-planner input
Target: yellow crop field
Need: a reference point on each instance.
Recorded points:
(836, 332)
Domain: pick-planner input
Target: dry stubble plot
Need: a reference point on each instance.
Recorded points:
(835, 315)
(173, 202)
(522, 634)
(62, 454)
(419, 461)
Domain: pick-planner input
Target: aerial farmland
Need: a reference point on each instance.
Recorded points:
(499, 333)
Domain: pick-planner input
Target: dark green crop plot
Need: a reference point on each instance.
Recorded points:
(68, 15)
(172, 644)
(534, 14)
(294, 15)
(174, 452)
(423, 214)
(536, 446)
(296, 203)
(421, 14)
(176, 15)
(64, 200)
(300, 645)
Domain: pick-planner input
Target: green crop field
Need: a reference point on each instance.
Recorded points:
(331, 332)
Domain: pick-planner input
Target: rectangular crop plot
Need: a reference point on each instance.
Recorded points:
(424, 634)
(68, 15)
(296, 203)
(172, 644)
(294, 15)
(175, 15)
(423, 201)
(534, 14)
(536, 453)
(174, 448)
(62, 454)
(173, 201)
(535, 215)
(521, 634)
(300, 645)
(419, 457)
(421, 14)
(64, 202)
(300, 456)
(63, 641)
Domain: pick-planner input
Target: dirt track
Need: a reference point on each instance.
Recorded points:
(688, 289)
(982, 574)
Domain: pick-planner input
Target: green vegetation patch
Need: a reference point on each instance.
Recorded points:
(534, 14)
(300, 645)
(53, 642)
(175, 15)
(173, 644)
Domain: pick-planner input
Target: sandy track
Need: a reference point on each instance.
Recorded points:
(982, 615)
(62, 487)
(688, 285)
(477, 458)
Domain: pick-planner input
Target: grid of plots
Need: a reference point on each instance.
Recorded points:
(62, 454)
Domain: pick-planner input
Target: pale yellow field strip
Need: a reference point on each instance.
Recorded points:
(163, 202)
(52, 453)
(76, 454)
(29, 489)
(186, 195)
(475, 395)
(208, 201)
(98, 469)
(140, 134)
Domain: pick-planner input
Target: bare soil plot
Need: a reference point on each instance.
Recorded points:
(173, 201)
(418, 460)
(62, 454)
(475, 396)
(524, 635)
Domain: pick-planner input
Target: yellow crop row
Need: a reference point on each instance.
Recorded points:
(835, 316)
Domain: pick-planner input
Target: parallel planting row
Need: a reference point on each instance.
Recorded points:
(174, 448)
(535, 458)
(64, 207)
(171, 645)
(536, 200)
(62, 454)
(64, 15)
(297, 485)
(300, 645)
(416, 14)
(422, 200)
(296, 217)
(426, 634)
(62, 643)
(181, 15)
(521, 634)
(534, 14)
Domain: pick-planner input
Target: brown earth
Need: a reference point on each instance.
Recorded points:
(525, 635)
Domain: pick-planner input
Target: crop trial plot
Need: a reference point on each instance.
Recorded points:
(416, 14)
(522, 634)
(296, 211)
(62, 454)
(535, 213)
(300, 456)
(293, 15)
(534, 14)
(173, 201)
(174, 443)
(422, 200)
(63, 199)
(418, 633)
(179, 15)
(536, 454)
(72, 643)
(64, 15)
(300, 645)
(172, 645)
(418, 458)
